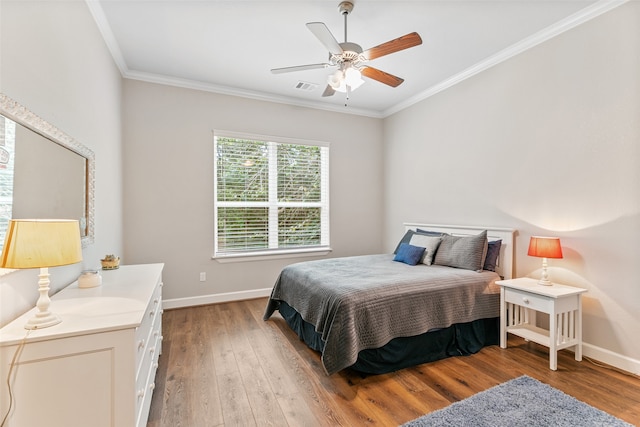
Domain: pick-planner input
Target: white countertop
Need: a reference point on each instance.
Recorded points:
(114, 305)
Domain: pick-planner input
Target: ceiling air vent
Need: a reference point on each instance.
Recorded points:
(306, 86)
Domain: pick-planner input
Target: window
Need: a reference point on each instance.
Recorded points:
(271, 195)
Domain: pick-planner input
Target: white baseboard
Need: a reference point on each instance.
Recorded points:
(215, 298)
(610, 358)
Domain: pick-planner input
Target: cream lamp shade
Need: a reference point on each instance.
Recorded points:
(41, 243)
(545, 247)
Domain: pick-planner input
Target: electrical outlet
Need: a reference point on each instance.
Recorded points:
(203, 276)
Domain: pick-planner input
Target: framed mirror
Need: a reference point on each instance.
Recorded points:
(44, 173)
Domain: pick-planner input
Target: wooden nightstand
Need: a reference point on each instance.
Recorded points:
(521, 298)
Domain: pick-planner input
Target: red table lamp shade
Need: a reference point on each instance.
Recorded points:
(545, 247)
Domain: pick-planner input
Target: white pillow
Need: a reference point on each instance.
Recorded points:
(430, 245)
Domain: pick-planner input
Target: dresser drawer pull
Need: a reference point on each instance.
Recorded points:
(155, 365)
(140, 393)
(525, 300)
(152, 350)
(151, 313)
(152, 386)
(140, 344)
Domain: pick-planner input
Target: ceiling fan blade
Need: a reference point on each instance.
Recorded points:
(326, 38)
(392, 46)
(299, 68)
(328, 91)
(381, 76)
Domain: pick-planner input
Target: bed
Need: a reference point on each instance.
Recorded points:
(380, 313)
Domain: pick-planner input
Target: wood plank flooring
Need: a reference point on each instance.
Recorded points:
(222, 365)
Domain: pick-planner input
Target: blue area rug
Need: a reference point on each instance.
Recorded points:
(523, 401)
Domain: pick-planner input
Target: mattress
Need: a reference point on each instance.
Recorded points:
(364, 302)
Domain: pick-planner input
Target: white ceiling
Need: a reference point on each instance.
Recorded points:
(230, 46)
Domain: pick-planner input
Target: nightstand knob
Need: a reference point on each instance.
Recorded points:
(525, 300)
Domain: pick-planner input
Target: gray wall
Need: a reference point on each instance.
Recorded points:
(168, 171)
(548, 143)
(54, 61)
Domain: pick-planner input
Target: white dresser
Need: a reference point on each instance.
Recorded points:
(97, 367)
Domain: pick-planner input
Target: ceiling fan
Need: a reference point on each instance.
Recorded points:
(350, 59)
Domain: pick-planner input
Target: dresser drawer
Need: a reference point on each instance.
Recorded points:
(529, 300)
(143, 332)
(145, 383)
(151, 349)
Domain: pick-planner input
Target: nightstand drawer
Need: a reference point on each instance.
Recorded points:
(529, 300)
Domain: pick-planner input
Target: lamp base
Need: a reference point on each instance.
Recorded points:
(43, 317)
(42, 320)
(545, 282)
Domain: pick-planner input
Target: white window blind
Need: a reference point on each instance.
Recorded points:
(271, 194)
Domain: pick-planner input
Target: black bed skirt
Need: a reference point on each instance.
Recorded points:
(461, 339)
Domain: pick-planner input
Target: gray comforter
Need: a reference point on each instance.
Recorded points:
(363, 302)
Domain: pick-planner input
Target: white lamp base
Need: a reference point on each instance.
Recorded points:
(43, 318)
(544, 280)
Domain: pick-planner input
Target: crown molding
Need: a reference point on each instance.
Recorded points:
(243, 93)
(590, 12)
(572, 21)
(107, 35)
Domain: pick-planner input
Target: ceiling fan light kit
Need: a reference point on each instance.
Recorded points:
(350, 59)
(345, 81)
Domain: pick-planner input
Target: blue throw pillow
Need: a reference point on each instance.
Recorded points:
(493, 250)
(409, 254)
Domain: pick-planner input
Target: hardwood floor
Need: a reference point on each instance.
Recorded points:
(222, 365)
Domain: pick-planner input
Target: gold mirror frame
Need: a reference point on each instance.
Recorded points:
(22, 115)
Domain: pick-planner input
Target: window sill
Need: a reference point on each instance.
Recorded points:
(269, 255)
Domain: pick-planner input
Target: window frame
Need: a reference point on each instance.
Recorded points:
(270, 253)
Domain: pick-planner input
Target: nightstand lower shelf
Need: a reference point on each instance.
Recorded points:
(531, 333)
(538, 335)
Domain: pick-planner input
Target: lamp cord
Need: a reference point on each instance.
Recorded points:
(16, 355)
